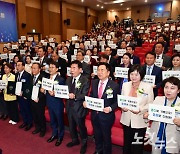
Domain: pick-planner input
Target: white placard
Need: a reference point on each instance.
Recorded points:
(23, 38)
(178, 28)
(161, 113)
(110, 42)
(3, 84)
(64, 57)
(18, 88)
(35, 58)
(149, 79)
(138, 27)
(167, 74)
(6, 45)
(121, 72)
(128, 28)
(52, 44)
(94, 103)
(60, 52)
(166, 29)
(95, 57)
(75, 51)
(51, 39)
(166, 25)
(177, 47)
(159, 62)
(76, 45)
(44, 43)
(99, 37)
(68, 71)
(4, 56)
(108, 37)
(74, 38)
(102, 43)
(11, 55)
(141, 32)
(154, 28)
(22, 52)
(131, 103)
(47, 84)
(173, 28)
(121, 52)
(102, 48)
(113, 46)
(147, 31)
(95, 70)
(87, 43)
(73, 57)
(159, 30)
(61, 91)
(14, 47)
(158, 26)
(35, 93)
(35, 61)
(94, 43)
(30, 39)
(86, 58)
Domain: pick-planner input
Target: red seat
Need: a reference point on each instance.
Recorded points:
(145, 45)
(88, 124)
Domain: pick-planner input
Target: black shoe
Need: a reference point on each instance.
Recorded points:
(98, 152)
(83, 148)
(5, 117)
(71, 144)
(28, 127)
(58, 142)
(42, 134)
(1, 116)
(52, 138)
(23, 125)
(35, 131)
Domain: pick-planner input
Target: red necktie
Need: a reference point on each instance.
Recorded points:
(100, 91)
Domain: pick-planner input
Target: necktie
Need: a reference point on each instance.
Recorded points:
(18, 79)
(34, 80)
(73, 86)
(158, 57)
(100, 91)
(40, 61)
(148, 71)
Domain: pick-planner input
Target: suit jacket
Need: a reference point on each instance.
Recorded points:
(171, 130)
(136, 120)
(136, 59)
(86, 70)
(166, 61)
(45, 61)
(41, 96)
(79, 96)
(112, 102)
(157, 71)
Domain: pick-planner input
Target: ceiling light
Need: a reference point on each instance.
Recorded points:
(102, 7)
(82, 1)
(97, 5)
(145, 1)
(121, 4)
(118, 1)
(127, 8)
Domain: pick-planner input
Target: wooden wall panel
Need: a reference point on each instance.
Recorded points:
(33, 19)
(77, 20)
(54, 23)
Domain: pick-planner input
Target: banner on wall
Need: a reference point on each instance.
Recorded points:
(8, 25)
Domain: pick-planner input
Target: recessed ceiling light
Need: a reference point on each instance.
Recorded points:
(82, 1)
(127, 8)
(97, 5)
(102, 7)
(121, 4)
(145, 1)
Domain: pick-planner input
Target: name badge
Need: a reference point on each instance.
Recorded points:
(109, 95)
(23, 80)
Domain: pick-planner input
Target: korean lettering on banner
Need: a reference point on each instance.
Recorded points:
(131, 103)
(167, 74)
(121, 72)
(3, 84)
(177, 47)
(61, 91)
(4, 56)
(161, 113)
(68, 71)
(47, 84)
(159, 62)
(94, 103)
(35, 93)
(150, 79)
(121, 52)
(86, 59)
(95, 70)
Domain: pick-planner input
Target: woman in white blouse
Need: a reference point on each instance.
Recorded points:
(28, 64)
(133, 123)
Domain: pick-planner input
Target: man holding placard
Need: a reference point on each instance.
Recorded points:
(78, 89)
(55, 105)
(24, 104)
(106, 89)
(38, 102)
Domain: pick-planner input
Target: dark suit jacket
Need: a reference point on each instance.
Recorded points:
(45, 61)
(86, 70)
(157, 71)
(166, 61)
(41, 95)
(79, 96)
(136, 59)
(112, 102)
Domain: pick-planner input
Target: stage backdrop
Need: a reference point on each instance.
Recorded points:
(8, 26)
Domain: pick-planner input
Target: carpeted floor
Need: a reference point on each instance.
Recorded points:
(17, 141)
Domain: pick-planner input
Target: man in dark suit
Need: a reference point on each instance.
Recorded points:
(130, 49)
(102, 122)
(24, 104)
(159, 48)
(62, 63)
(55, 106)
(161, 39)
(44, 61)
(112, 61)
(85, 67)
(151, 69)
(38, 106)
(78, 88)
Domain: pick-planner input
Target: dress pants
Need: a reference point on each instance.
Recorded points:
(102, 131)
(12, 107)
(133, 144)
(38, 111)
(56, 112)
(25, 110)
(75, 121)
(3, 107)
